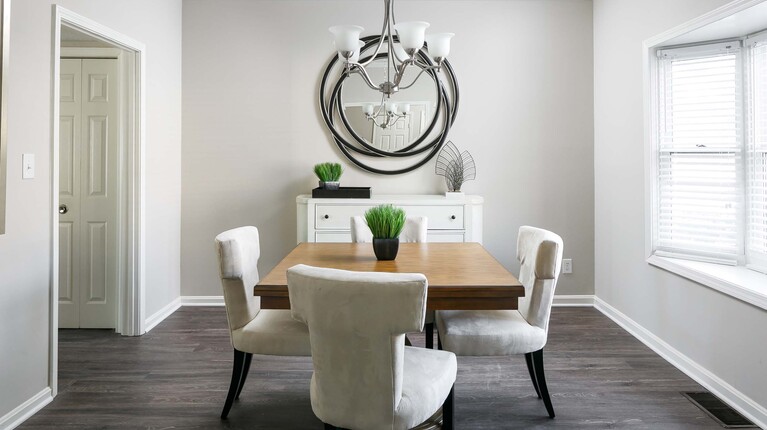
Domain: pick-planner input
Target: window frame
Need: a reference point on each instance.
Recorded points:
(739, 282)
(686, 52)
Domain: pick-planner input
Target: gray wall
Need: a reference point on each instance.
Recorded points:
(722, 334)
(25, 248)
(252, 130)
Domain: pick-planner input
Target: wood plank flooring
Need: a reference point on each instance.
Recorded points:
(177, 375)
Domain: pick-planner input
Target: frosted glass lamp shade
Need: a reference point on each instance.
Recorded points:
(368, 109)
(347, 37)
(391, 107)
(439, 44)
(355, 57)
(405, 108)
(411, 34)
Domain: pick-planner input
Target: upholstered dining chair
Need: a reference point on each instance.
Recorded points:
(364, 375)
(511, 332)
(252, 330)
(415, 230)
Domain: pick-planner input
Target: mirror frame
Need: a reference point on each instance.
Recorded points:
(447, 107)
(5, 21)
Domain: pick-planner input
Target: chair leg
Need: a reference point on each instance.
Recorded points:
(541, 378)
(448, 408)
(439, 342)
(237, 367)
(529, 360)
(245, 370)
(428, 330)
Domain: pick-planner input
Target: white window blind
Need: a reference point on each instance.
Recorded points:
(700, 207)
(756, 238)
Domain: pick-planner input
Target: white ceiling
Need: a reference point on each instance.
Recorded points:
(743, 23)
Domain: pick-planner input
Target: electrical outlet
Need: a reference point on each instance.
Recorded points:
(567, 265)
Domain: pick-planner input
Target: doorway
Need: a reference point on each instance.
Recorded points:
(97, 180)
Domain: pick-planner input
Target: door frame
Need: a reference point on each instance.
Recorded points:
(131, 242)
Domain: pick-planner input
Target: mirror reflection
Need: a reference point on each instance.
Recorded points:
(389, 124)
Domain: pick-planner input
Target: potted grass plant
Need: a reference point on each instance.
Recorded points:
(386, 223)
(329, 175)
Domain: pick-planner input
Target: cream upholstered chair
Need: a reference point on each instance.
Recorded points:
(514, 332)
(253, 330)
(415, 230)
(364, 375)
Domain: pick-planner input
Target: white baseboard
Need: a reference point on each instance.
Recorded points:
(160, 315)
(726, 392)
(202, 300)
(14, 418)
(579, 300)
(559, 300)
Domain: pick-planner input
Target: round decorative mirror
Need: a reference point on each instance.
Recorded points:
(400, 124)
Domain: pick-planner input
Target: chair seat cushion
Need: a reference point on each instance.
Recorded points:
(428, 376)
(501, 332)
(273, 332)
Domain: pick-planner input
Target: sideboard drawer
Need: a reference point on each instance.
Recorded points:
(336, 217)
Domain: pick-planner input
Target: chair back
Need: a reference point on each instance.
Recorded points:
(357, 323)
(539, 253)
(238, 253)
(414, 230)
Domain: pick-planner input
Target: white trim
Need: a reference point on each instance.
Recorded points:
(564, 300)
(130, 319)
(160, 315)
(731, 280)
(21, 413)
(202, 300)
(573, 300)
(726, 392)
(705, 19)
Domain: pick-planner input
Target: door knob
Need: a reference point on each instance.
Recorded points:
(63, 209)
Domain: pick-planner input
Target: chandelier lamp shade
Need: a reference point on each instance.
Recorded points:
(401, 52)
(389, 63)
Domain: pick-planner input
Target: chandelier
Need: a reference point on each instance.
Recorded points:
(401, 53)
(386, 115)
(418, 92)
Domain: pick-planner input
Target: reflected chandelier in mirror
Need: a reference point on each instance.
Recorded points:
(394, 97)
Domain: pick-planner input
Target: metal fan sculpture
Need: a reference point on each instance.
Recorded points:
(457, 167)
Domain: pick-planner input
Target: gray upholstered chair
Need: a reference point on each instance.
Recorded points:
(253, 330)
(414, 231)
(364, 375)
(513, 332)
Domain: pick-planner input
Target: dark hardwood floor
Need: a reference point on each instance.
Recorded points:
(177, 376)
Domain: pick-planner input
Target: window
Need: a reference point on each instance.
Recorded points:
(711, 149)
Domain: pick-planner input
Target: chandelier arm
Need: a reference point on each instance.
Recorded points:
(365, 77)
(392, 22)
(423, 69)
(388, 6)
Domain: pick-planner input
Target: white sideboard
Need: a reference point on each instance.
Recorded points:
(454, 219)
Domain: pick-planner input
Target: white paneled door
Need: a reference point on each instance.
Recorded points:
(88, 193)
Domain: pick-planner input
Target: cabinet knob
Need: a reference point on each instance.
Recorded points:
(452, 216)
(326, 216)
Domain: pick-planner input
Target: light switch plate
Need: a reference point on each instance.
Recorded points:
(27, 166)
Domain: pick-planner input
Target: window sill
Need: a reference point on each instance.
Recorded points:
(736, 281)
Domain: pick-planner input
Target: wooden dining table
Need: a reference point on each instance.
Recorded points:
(460, 275)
